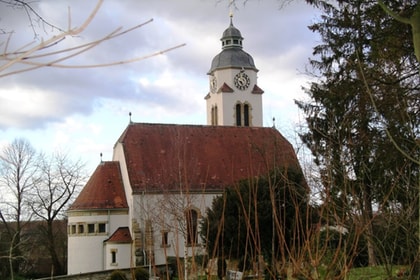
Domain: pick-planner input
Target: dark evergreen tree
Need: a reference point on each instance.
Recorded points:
(363, 117)
(266, 216)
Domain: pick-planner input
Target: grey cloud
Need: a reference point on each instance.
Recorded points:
(267, 33)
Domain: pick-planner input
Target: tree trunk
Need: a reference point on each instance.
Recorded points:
(368, 219)
(57, 266)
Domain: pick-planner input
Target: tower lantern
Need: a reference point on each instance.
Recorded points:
(234, 98)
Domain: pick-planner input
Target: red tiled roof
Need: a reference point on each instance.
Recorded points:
(257, 90)
(166, 157)
(121, 235)
(225, 88)
(104, 190)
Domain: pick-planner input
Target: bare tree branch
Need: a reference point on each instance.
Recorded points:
(30, 12)
(31, 60)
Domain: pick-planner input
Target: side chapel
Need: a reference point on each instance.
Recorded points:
(145, 205)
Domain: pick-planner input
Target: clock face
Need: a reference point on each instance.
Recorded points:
(241, 81)
(213, 84)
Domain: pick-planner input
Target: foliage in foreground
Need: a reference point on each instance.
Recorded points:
(363, 130)
(117, 275)
(266, 216)
(141, 274)
(362, 115)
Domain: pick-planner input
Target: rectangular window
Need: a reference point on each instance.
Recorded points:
(246, 115)
(114, 256)
(101, 227)
(165, 242)
(238, 115)
(191, 216)
(91, 228)
(81, 229)
(73, 229)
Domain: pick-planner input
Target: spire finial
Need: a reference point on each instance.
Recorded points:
(274, 122)
(129, 115)
(101, 157)
(231, 5)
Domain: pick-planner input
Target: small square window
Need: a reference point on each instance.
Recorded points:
(81, 228)
(73, 229)
(91, 228)
(101, 227)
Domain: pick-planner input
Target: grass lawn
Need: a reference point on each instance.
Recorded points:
(371, 273)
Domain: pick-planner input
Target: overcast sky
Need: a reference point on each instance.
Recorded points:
(84, 111)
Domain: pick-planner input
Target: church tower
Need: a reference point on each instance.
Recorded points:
(234, 98)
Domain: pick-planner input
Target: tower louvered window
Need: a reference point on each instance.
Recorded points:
(246, 115)
(238, 115)
(242, 114)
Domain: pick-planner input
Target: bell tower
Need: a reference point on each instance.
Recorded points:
(234, 98)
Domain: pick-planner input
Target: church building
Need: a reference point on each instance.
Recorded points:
(145, 206)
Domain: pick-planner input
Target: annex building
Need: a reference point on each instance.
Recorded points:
(145, 206)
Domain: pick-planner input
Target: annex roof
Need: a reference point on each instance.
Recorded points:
(121, 235)
(104, 190)
(167, 157)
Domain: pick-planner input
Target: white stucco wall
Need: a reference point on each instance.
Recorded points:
(167, 214)
(122, 252)
(118, 155)
(226, 102)
(85, 250)
(88, 253)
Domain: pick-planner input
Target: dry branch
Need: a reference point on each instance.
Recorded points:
(29, 57)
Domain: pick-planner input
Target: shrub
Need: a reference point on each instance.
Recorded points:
(117, 275)
(141, 274)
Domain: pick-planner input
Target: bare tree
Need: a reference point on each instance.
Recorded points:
(17, 170)
(58, 179)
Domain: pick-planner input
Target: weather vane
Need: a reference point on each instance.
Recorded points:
(231, 5)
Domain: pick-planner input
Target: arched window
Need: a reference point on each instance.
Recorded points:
(191, 217)
(238, 115)
(243, 114)
(246, 115)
